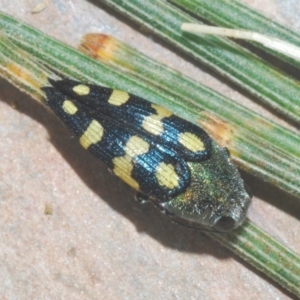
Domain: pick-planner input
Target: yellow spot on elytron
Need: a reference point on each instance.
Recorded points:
(122, 168)
(123, 165)
(166, 175)
(153, 124)
(191, 142)
(69, 107)
(81, 89)
(136, 146)
(92, 135)
(118, 98)
(161, 110)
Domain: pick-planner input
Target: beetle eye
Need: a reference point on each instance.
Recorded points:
(227, 151)
(248, 190)
(224, 224)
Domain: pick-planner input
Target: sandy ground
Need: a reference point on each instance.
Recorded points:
(98, 243)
